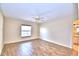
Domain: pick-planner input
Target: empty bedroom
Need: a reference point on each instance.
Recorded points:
(39, 29)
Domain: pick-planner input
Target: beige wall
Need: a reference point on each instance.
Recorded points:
(58, 31)
(12, 30)
(1, 32)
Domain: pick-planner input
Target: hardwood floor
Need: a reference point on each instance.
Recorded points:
(35, 48)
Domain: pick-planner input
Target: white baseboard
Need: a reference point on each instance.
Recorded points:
(57, 43)
(40, 38)
(18, 41)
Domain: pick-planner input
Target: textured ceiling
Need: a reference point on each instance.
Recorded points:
(47, 11)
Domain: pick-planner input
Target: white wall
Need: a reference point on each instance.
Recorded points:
(58, 31)
(12, 30)
(1, 32)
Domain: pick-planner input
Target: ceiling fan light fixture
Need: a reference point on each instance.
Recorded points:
(37, 21)
(37, 17)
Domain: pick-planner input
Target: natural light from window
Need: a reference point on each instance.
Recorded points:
(25, 30)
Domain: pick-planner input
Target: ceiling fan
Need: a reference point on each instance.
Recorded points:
(38, 19)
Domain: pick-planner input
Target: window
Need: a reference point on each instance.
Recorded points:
(25, 30)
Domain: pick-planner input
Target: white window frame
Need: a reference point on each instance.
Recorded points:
(25, 30)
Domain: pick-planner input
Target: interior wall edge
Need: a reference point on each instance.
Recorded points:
(1, 31)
